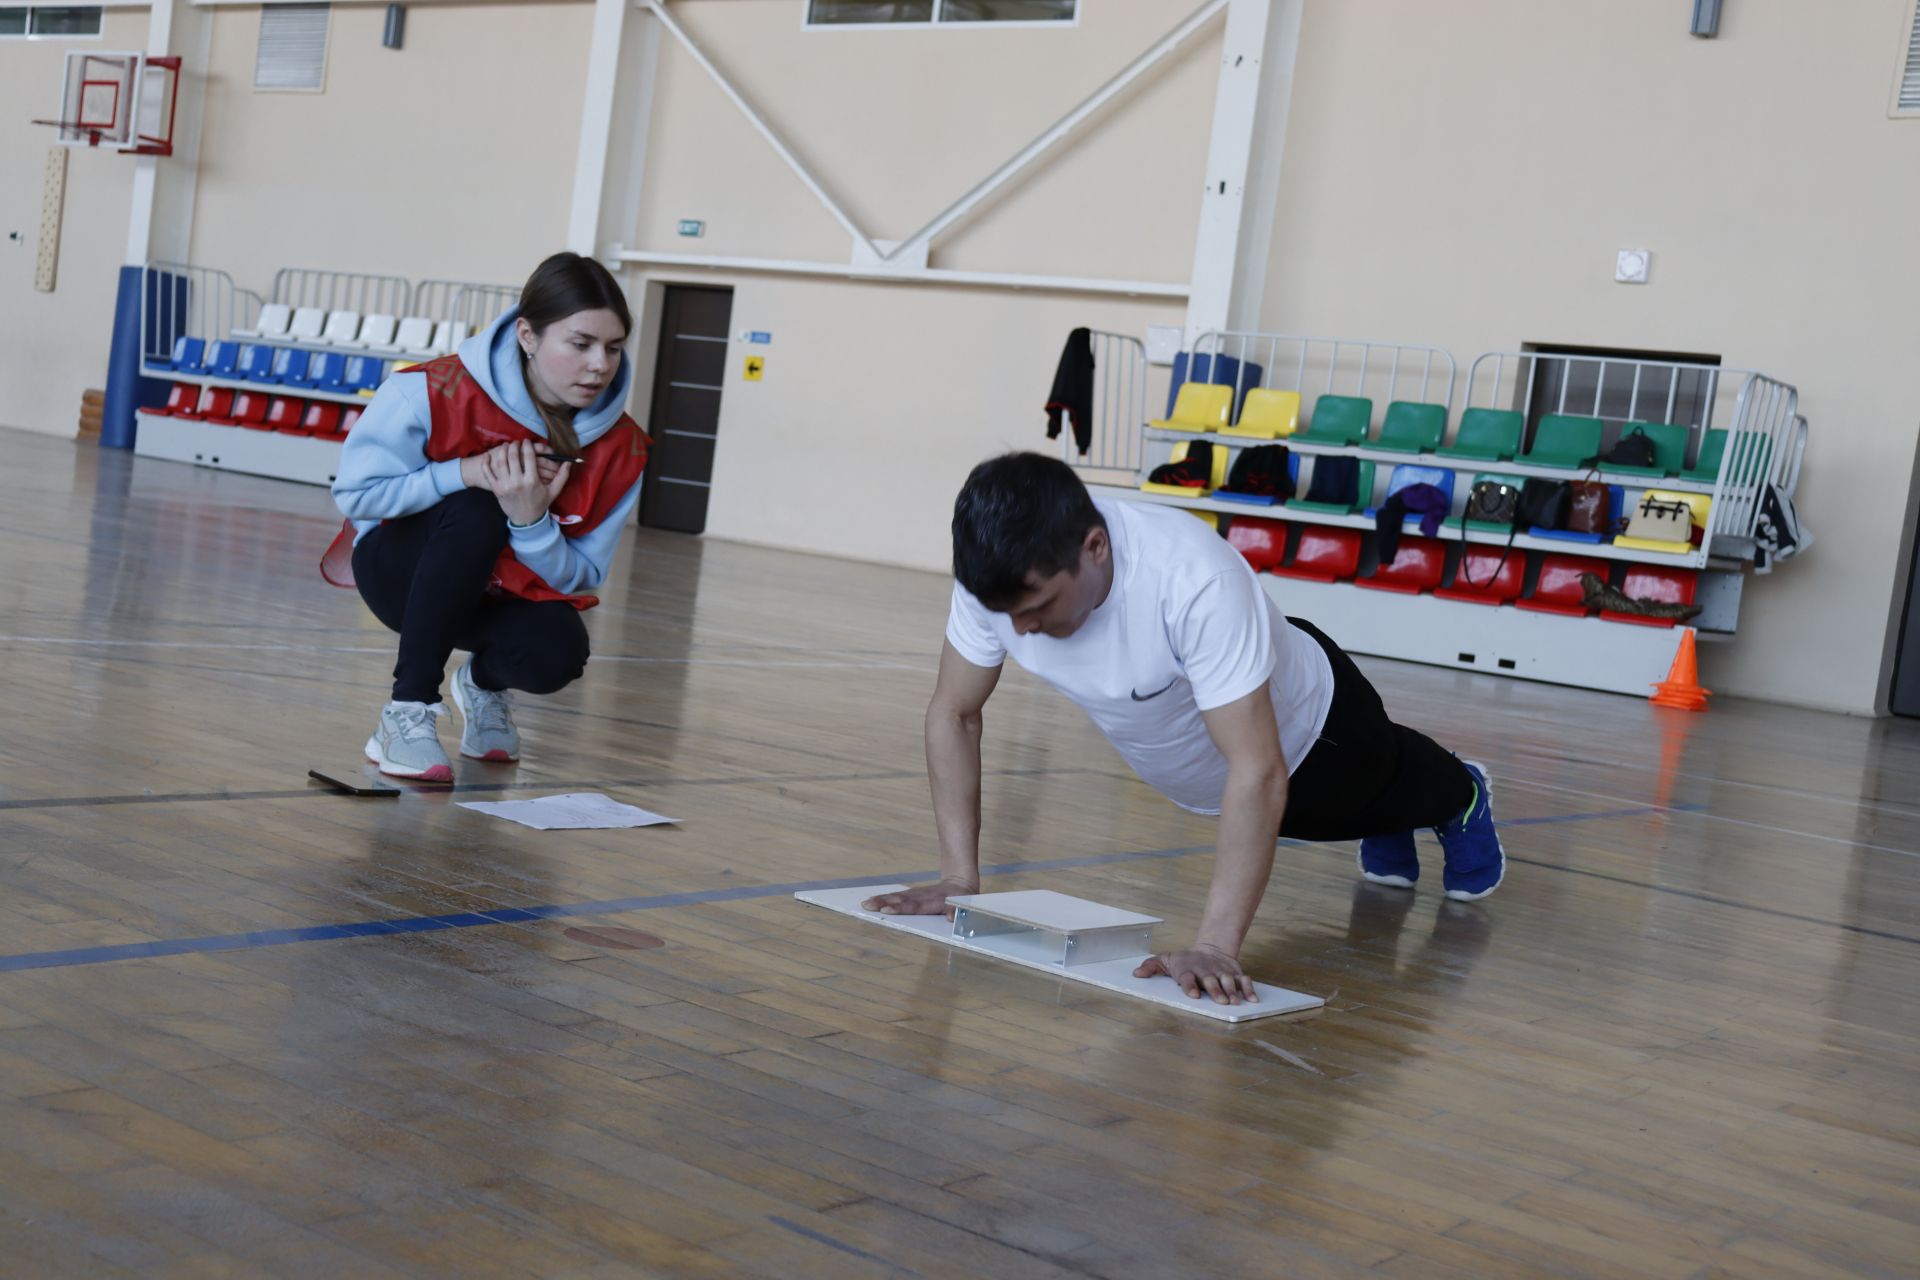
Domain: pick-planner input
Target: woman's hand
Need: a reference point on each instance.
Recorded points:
(514, 472)
(473, 471)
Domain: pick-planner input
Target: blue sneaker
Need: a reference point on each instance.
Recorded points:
(1475, 861)
(1390, 860)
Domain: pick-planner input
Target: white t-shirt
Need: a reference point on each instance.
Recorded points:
(1186, 628)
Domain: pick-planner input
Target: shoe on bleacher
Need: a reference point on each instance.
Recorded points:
(1390, 860)
(1475, 862)
(407, 743)
(486, 729)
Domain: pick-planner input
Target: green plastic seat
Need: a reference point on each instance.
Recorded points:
(1338, 420)
(1562, 440)
(1363, 496)
(1713, 452)
(1669, 449)
(1412, 428)
(1489, 526)
(1486, 435)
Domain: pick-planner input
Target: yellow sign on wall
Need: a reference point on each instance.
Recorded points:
(756, 365)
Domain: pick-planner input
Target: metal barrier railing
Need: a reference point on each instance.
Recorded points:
(1765, 442)
(1118, 410)
(1614, 389)
(180, 300)
(1380, 371)
(468, 303)
(353, 291)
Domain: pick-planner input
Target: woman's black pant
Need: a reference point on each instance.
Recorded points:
(426, 577)
(1366, 775)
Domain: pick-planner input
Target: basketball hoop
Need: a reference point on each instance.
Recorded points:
(125, 99)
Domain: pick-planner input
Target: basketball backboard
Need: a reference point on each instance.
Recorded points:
(125, 100)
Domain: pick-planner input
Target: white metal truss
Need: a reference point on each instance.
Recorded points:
(906, 259)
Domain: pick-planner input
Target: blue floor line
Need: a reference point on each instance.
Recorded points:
(613, 906)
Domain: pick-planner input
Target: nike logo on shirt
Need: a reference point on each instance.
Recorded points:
(1145, 697)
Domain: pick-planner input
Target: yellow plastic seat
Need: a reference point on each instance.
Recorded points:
(1699, 502)
(1209, 518)
(1219, 465)
(1267, 415)
(1200, 406)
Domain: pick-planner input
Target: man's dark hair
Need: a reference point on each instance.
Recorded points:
(1017, 514)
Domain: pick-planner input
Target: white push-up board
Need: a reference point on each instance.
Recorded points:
(1043, 930)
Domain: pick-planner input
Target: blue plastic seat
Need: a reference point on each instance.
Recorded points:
(1408, 473)
(327, 370)
(256, 362)
(365, 373)
(187, 354)
(289, 367)
(223, 359)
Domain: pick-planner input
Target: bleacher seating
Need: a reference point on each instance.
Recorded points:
(187, 354)
(1323, 554)
(1416, 568)
(1412, 428)
(1363, 495)
(1486, 435)
(285, 414)
(1267, 415)
(375, 331)
(306, 324)
(1339, 420)
(1563, 440)
(342, 328)
(1200, 406)
(1669, 449)
(1557, 589)
(413, 337)
(1263, 542)
(273, 322)
(1655, 582)
(1487, 575)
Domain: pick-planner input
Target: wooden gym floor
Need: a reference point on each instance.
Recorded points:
(1680, 1041)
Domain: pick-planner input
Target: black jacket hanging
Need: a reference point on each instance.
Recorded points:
(1073, 390)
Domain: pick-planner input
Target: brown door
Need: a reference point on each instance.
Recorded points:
(685, 417)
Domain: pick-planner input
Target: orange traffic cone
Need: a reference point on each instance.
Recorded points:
(1681, 689)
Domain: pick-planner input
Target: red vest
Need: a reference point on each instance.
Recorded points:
(466, 422)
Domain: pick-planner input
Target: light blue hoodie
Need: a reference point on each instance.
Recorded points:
(384, 472)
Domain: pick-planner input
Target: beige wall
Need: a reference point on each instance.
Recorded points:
(450, 158)
(876, 402)
(53, 346)
(1462, 174)
(897, 390)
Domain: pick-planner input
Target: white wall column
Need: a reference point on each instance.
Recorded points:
(1243, 164)
(160, 219)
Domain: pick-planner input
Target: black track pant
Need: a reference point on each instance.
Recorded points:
(426, 575)
(1367, 776)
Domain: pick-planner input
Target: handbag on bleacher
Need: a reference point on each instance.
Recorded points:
(1661, 520)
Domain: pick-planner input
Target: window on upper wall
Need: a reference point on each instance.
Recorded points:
(944, 13)
(1906, 76)
(50, 22)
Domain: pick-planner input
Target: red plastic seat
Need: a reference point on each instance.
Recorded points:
(183, 401)
(1324, 555)
(215, 403)
(349, 416)
(1655, 582)
(323, 420)
(1416, 568)
(249, 410)
(1263, 542)
(1487, 575)
(284, 413)
(1558, 589)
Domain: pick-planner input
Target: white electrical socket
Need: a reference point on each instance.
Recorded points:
(1630, 267)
